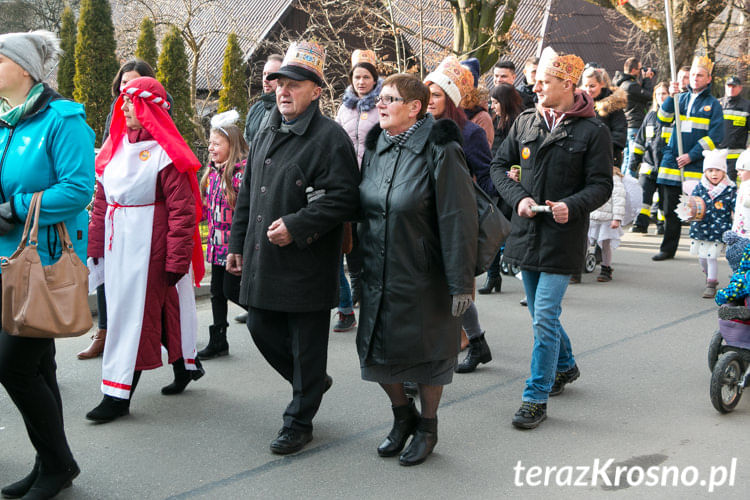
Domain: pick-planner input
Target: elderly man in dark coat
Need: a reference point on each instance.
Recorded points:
(565, 155)
(300, 185)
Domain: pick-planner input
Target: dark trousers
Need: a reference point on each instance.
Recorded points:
(669, 197)
(224, 287)
(648, 185)
(27, 371)
(296, 346)
(354, 258)
(101, 306)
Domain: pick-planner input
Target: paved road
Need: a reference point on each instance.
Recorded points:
(642, 400)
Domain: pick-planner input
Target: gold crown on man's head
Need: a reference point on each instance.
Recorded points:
(563, 66)
(704, 62)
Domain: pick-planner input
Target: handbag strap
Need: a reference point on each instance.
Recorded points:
(32, 220)
(33, 215)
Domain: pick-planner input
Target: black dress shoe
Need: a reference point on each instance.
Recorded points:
(405, 421)
(21, 487)
(48, 484)
(290, 441)
(662, 256)
(422, 443)
(109, 409)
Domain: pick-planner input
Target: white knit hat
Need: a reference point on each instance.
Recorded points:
(743, 162)
(455, 80)
(716, 158)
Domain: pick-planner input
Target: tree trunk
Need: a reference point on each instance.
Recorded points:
(474, 31)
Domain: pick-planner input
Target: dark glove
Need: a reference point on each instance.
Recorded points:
(7, 221)
(173, 278)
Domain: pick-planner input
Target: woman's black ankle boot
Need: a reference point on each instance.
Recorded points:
(422, 443)
(21, 487)
(405, 421)
(48, 484)
(182, 377)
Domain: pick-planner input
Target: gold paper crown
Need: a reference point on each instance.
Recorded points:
(364, 56)
(308, 55)
(563, 66)
(455, 79)
(703, 62)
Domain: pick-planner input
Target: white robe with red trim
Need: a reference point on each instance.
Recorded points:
(129, 182)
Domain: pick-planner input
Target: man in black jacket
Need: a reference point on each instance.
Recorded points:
(736, 125)
(267, 101)
(639, 98)
(300, 185)
(565, 154)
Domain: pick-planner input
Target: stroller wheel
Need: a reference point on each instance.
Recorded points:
(725, 387)
(590, 263)
(714, 349)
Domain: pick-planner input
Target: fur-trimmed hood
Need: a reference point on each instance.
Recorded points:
(443, 131)
(351, 100)
(610, 100)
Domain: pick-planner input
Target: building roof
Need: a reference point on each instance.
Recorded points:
(573, 26)
(570, 26)
(210, 20)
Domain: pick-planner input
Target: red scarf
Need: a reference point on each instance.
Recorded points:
(150, 104)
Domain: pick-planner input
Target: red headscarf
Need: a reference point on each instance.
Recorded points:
(150, 104)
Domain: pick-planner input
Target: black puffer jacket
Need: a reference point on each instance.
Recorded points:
(569, 164)
(419, 241)
(608, 106)
(257, 113)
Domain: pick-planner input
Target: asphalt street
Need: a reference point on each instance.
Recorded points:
(642, 401)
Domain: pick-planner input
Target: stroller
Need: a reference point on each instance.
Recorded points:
(729, 357)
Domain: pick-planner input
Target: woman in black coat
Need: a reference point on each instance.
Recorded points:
(609, 106)
(419, 239)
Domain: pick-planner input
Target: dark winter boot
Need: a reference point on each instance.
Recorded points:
(182, 377)
(49, 483)
(493, 283)
(109, 409)
(405, 420)
(422, 443)
(112, 408)
(356, 283)
(217, 343)
(479, 352)
(605, 274)
(21, 487)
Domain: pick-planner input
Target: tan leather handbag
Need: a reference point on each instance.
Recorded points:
(44, 301)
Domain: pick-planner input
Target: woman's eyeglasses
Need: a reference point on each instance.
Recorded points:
(388, 99)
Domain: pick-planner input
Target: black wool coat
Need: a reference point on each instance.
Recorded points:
(419, 242)
(308, 177)
(571, 164)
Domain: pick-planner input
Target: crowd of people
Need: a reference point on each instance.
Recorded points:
(294, 199)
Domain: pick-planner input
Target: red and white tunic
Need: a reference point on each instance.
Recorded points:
(142, 225)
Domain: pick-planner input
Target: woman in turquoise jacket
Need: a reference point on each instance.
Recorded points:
(46, 145)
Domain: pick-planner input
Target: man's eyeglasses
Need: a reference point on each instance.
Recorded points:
(388, 99)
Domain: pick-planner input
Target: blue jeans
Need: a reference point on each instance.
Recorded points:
(552, 352)
(628, 148)
(346, 306)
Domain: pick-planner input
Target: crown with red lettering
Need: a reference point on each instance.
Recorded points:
(563, 66)
(303, 61)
